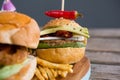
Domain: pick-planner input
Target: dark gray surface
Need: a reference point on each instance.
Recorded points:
(97, 13)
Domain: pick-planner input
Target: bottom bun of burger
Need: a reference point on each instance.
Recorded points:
(27, 71)
(61, 55)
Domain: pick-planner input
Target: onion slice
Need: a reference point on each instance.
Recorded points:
(80, 38)
(8, 6)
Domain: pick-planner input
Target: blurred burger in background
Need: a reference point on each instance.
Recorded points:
(18, 34)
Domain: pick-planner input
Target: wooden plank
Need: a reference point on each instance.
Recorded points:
(79, 70)
(104, 44)
(104, 57)
(103, 50)
(105, 72)
(104, 32)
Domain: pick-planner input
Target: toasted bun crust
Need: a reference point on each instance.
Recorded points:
(19, 29)
(61, 22)
(61, 55)
(27, 72)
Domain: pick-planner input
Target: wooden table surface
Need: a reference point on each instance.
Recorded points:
(103, 50)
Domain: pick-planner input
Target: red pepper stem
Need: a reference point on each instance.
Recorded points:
(79, 15)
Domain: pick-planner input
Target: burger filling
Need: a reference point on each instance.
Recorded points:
(60, 44)
(12, 59)
(62, 39)
(65, 29)
(10, 70)
(11, 54)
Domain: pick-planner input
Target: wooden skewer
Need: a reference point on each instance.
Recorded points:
(63, 5)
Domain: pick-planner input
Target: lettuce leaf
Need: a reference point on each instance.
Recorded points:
(10, 70)
(72, 44)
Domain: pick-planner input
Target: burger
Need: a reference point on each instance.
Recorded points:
(19, 34)
(62, 41)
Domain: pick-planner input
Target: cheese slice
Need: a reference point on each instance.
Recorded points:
(76, 30)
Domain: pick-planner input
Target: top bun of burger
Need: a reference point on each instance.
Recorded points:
(61, 22)
(13, 24)
(18, 32)
(62, 41)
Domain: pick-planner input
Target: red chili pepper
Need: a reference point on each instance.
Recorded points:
(64, 14)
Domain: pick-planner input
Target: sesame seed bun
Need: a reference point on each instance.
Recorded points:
(61, 22)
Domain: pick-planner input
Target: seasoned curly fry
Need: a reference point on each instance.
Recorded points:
(44, 63)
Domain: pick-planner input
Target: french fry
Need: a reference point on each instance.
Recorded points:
(45, 63)
(38, 74)
(59, 72)
(35, 78)
(50, 75)
(43, 72)
(71, 70)
(64, 73)
(54, 72)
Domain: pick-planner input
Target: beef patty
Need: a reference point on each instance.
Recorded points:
(11, 54)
